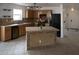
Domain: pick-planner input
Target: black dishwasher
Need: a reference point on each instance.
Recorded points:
(14, 32)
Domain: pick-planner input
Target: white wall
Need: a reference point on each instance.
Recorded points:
(10, 6)
(26, 16)
(62, 21)
(71, 15)
(54, 9)
(74, 16)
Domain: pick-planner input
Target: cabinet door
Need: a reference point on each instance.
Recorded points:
(0, 33)
(32, 14)
(23, 30)
(20, 30)
(7, 33)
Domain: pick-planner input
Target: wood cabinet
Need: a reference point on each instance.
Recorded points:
(12, 32)
(0, 33)
(5, 33)
(33, 14)
(8, 33)
(22, 30)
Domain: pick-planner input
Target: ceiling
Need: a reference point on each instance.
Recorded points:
(41, 4)
(76, 5)
(47, 4)
(68, 5)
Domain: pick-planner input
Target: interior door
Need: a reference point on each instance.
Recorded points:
(73, 19)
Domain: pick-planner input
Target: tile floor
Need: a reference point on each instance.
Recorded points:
(13, 47)
(66, 46)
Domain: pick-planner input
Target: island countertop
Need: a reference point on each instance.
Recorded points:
(38, 29)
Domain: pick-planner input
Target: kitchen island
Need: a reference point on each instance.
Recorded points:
(37, 36)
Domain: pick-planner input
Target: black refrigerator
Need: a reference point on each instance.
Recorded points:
(56, 22)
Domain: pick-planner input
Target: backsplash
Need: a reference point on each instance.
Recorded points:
(6, 21)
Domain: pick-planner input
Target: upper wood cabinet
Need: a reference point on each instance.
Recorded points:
(33, 14)
(36, 13)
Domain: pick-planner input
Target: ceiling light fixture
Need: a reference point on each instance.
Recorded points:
(34, 6)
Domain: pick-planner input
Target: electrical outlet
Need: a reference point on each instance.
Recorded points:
(40, 41)
(71, 20)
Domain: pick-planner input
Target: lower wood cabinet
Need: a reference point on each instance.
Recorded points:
(8, 33)
(22, 30)
(0, 33)
(5, 33)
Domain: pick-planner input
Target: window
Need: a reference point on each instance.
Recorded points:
(17, 14)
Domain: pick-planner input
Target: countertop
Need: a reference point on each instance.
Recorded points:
(14, 25)
(38, 29)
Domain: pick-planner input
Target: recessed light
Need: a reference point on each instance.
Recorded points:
(72, 9)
